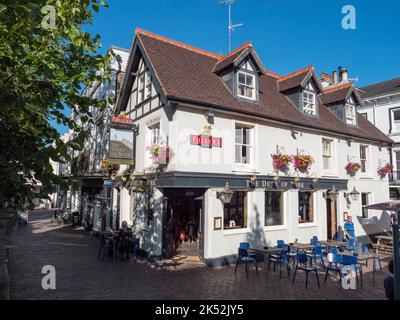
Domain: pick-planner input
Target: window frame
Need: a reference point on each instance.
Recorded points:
(253, 87)
(249, 147)
(353, 119)
(228, 206)
(281, 209)
(330, 156)
(311, 205)
(364, 161)
(364, 211)
(394, 122)
(307, 92)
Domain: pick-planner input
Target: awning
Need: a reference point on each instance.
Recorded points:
(393, 205)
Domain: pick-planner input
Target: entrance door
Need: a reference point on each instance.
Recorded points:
(331, 218)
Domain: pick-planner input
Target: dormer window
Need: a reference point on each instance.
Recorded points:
(246, 85)
(309, 106)
(350, 114)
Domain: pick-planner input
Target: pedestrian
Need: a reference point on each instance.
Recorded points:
(348, 228)
(388, 283)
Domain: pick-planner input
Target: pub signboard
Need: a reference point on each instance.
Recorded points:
(121, 140)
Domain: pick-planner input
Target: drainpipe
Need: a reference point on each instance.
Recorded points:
(373, 108)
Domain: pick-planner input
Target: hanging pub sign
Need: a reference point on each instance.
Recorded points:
(121, 140)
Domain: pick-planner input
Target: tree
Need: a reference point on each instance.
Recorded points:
(46, 58)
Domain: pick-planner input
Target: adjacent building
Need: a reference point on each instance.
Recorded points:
(382, 108)
(241, 153)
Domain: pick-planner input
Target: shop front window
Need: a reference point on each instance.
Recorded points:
(235, 213)
(306, 208)
(273, 208)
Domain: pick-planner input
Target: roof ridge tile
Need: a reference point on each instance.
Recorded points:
(140, 31)
(295, 73)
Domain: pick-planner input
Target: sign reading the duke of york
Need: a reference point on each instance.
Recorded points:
(122, 120)
(275, 184)
(206, 141)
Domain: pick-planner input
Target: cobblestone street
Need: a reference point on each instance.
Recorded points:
(79, 275)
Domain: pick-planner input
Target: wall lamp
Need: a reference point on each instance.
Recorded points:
(353, 194)
(332, 194)
(225, 195)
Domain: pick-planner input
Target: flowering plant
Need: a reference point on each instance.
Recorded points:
(281, 161)
(105, 164)
(352, 168)
(302, 162)
(160, 154)
(154, 149)
(384, 170)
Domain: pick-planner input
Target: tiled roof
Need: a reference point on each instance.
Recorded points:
(294, 79)
(381, 88)
(231, 57)
(186, 75)
(336, 94)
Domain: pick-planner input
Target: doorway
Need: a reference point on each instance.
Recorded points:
(182, 226)
(331, 218)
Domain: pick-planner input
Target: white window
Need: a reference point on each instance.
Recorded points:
(396, 120)
(155, 134)
(327, 146)
(365, 201)
(350, 114)
(309, 106)
(246, 85)
(243, 144)
(141, 87)
(364, 158)
(147, 93)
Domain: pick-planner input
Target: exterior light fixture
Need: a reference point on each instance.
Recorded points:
(353, 194)
(225, 195)
(138, 189)
(333, 194)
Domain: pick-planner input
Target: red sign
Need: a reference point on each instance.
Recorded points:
(122, 120)
(206, 141)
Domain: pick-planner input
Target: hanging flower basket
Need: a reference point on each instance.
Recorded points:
(281, 161)
(352, 168)
(302, 162)
(160, 154)
(385, 170)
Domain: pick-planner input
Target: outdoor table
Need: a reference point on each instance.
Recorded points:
(363, 258)
(334, 243)
(301, 246)
(267, 251)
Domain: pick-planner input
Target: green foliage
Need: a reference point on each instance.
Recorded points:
(43, 71)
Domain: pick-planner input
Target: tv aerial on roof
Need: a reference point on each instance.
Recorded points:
(231, 26)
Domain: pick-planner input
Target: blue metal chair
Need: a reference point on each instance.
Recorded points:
(245, 258)
(280, 243)
(246, 246)
(302, 264)
(333, 250)
(376, 257)
(334, 264)
(283, 260)
(353, 261)
(274, 257)
(317, 254)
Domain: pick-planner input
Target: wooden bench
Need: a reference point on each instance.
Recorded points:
(383, 243)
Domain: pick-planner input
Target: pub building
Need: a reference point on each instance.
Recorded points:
(239, 153)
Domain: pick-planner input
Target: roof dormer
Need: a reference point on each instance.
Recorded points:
(302, 88)
(343, 101)
(240, 70)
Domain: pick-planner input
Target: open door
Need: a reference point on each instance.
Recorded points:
(331, 218)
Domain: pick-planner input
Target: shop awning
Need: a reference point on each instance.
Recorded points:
(393, 205)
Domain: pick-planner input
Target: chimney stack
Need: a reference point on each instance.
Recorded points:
(335, 77)
(344, 75)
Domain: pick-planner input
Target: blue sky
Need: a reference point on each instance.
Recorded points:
(287, 34)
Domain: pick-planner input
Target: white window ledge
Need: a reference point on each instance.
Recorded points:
(230, 232)
(275, 228)
(308, 225)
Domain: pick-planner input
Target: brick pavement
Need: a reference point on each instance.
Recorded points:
(81, 276)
